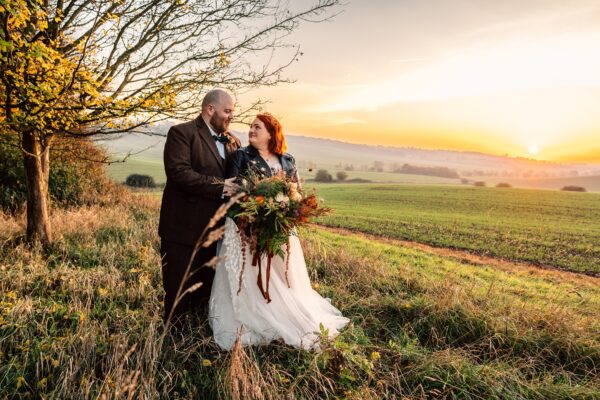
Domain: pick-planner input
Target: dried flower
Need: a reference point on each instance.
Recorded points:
(282, 198)
(295, 196)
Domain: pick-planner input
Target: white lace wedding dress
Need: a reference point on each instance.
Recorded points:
(294, 314)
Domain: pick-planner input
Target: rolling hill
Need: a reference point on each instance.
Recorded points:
(370, 162)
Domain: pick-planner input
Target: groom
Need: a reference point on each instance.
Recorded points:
(194, 158)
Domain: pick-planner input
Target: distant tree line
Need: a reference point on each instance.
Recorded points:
(526, 174)
(379, 166)
(443, 172)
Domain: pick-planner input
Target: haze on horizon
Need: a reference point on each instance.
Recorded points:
(520, 78)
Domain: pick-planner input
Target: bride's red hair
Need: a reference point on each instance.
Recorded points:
(277, 143)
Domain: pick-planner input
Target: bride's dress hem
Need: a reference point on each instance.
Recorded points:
(295, 313)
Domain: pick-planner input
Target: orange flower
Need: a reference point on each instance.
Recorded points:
(311, 201)
(260, 199)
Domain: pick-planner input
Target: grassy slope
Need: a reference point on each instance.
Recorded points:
(138, 165)
(560, 229)
(82, 319)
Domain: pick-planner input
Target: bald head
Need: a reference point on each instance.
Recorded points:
(215, 97)
(217, 109)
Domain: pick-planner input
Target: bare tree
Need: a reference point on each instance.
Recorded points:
(81, 68)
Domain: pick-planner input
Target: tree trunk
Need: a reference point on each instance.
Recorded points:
(37, 167)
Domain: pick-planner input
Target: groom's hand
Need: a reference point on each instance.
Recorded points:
(230, 188)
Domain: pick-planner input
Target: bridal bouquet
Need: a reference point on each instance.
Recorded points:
(266, 215)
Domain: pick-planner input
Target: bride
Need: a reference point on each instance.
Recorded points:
(294, 313)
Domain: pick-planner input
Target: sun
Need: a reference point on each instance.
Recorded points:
(533, 150)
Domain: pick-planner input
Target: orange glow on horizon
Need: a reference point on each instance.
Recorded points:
(523, 84)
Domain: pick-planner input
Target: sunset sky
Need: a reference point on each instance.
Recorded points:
(504, 77)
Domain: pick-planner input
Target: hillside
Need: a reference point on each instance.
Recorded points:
(336, 155)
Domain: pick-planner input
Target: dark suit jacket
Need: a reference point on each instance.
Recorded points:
(191, 196)
(249, 157)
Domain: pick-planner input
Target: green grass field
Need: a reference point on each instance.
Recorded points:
(82, 320)
(154, 168)
(560, 229)
(547, 228)
(138, 165)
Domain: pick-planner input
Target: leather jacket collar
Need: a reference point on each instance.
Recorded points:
(288, 163)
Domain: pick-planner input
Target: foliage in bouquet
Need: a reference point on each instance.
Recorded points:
(268, 213)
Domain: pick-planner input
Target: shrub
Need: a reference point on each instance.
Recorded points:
(464, 181)
(479, 183)
(323, 176)
(377, 166)
(142, 181)
(572, 188)
(341, 176)
(76, 178)
(504, 185)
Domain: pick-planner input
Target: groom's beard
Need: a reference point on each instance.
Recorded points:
(220, 125)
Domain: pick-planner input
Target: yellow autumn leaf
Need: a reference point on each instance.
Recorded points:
(20, 381)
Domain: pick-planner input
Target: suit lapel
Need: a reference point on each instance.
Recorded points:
(210, 142)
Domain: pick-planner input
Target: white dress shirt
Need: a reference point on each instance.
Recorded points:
(220, 146)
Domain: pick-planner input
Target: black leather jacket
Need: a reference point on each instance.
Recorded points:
(249, 157)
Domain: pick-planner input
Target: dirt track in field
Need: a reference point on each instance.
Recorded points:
(476, 259)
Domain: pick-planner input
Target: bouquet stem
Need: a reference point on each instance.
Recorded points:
(269, 258)
(257, 260)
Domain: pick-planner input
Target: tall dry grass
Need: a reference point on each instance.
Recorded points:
(83, 320)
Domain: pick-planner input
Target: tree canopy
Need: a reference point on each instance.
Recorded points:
(86, 67)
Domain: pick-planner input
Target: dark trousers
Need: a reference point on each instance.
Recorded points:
(175, 259)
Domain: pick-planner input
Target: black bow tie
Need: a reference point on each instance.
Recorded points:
(220, 138)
